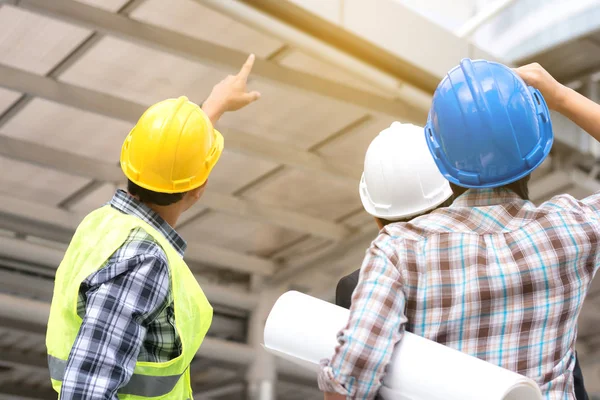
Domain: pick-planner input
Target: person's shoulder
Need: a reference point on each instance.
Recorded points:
(566, 203)
(561, 201)
(140, 258)
(141, 245)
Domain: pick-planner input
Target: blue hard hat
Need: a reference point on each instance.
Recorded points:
(486, 127)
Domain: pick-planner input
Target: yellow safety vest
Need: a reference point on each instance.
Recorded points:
(99, 235)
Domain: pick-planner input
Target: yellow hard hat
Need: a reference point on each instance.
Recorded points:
(172, 148)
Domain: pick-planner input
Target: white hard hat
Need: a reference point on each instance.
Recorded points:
(400, 178)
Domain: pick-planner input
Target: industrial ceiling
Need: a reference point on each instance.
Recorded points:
(281, 208)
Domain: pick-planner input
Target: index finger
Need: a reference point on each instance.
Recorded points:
(247, 67)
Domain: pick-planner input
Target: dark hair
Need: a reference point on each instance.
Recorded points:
(520, 187)
(151, 197)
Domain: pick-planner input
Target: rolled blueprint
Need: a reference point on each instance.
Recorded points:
(303, 330)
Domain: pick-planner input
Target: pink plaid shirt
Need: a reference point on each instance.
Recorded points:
(492, 276)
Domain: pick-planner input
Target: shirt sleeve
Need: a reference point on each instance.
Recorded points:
(593, 202)
(375, 325)
(117, 313)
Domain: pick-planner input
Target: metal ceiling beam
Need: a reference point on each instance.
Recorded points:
(22, 250)
(36, 287)
(82, 48)
(541, 188)
(290, 156)
(59, 160)
(347, 42)
(574, 78)
(305, 265)
(25, 392)
(70, 95)
(10, 357)
(223, 390)
(256, 185)
(63, 65)
(262, 213)
(220, 56)
(212, 349)
(570, 80)
(36, 312)
(216, 349)
(42, 255)
(53, 221)
(296, 40)
(89, 100)
(25, 310)
(489, 12)
(584, 181)
(546, 35)
(70, 201)
(114, 107)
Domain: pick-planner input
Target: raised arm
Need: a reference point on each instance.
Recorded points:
(578, 108)
(375, 325)
(231, 94)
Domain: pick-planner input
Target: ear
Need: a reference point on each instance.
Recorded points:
(197, 193)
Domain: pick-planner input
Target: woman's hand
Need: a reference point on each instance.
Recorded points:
(535, 75)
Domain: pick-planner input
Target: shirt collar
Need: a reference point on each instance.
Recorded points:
(129, 205)
(487, 197)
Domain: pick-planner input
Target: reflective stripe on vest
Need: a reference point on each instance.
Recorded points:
(138, 385)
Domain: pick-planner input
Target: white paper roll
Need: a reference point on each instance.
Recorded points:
(303, 330)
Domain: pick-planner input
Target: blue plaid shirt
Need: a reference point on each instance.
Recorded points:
(127, 311)
(492, 276)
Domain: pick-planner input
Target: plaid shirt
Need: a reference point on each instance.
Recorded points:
(127, 311)
(492, 276)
